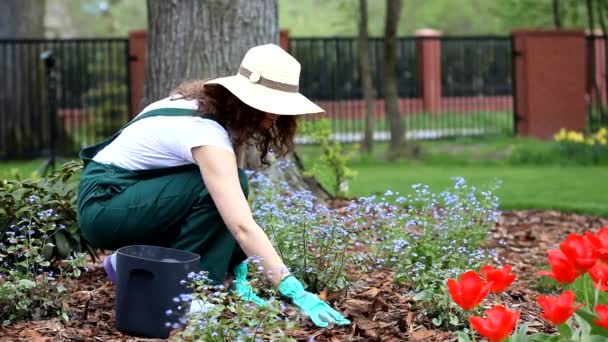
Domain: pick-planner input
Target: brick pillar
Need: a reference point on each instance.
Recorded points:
(428, 60)
(137, 52)
(284, 39)
(551, 79)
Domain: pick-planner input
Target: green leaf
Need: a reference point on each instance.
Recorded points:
(422, 295)
(595, 338)
(27, 283)
(19, 193)
(47, 251)
(437, 321)
(64, 248)
(564, 330)
(463, 337)
(585, 315)
(520, 334)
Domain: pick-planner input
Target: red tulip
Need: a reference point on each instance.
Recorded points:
(599, 242)
(499, 324)
(558, 309)
(602, 311)
(599, 274)
(579, 251)
(469, 290)
(501, 279)
(562, 270)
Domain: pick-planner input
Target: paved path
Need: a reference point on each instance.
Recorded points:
(420, 134)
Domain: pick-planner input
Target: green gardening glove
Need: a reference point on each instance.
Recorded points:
(319, 312)
(243, 288)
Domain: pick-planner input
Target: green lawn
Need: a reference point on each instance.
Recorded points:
(25, 169)
(539, 184)
(499, 122)
(572, 189)
(582, 189)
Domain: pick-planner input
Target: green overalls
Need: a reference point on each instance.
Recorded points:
(168, 207)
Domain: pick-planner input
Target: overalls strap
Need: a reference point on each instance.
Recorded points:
(88, 153)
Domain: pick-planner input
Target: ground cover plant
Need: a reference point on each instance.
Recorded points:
(384, 260)
(39, 242)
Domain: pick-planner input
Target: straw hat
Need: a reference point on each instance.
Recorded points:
(268, 80)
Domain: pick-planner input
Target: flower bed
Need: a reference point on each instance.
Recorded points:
(383, 261)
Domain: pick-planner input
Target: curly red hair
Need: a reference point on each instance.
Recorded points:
(243, 122)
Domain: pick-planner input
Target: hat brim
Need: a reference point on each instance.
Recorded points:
(266, 99)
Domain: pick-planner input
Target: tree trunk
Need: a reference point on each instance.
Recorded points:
(391, 96)
(192, 39)
(21, 126)
(557, 20)
(590, 17)
(366, 78)
(22, 18)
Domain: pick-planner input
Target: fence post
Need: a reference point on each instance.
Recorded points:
(137, 53)
(551, 86)
(284, 39)
(428, 60)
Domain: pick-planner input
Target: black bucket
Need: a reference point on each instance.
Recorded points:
(148, 280)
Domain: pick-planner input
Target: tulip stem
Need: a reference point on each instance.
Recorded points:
(586, 291)
(596, 294)
(472, 334)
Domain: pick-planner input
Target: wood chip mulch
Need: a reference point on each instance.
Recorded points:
(380, 309)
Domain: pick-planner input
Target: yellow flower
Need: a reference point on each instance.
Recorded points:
(561, 135)
(576, 137)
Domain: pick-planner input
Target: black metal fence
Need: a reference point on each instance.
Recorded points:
(90, 80)
(87, 81)
(472, 95)
(330, 67)
(476, 66)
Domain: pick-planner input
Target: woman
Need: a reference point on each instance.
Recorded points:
(171, 177)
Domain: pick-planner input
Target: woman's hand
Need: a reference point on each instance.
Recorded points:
(319, 312)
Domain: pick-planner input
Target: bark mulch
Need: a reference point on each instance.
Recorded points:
(380, 310)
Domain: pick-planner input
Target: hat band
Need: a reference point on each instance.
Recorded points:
(258, 79)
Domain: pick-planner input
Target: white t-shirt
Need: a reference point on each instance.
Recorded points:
(163, 141)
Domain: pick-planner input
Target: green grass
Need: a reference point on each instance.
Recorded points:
(480, 161)
(463, 151)
(499, 122)
(570, 189)
(25, 169)
(541, 184)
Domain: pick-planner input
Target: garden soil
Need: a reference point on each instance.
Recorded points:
(380, 310)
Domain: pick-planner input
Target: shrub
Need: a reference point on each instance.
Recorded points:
(567, 148)
(44, 207)
(39, 240)
(331, 167)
